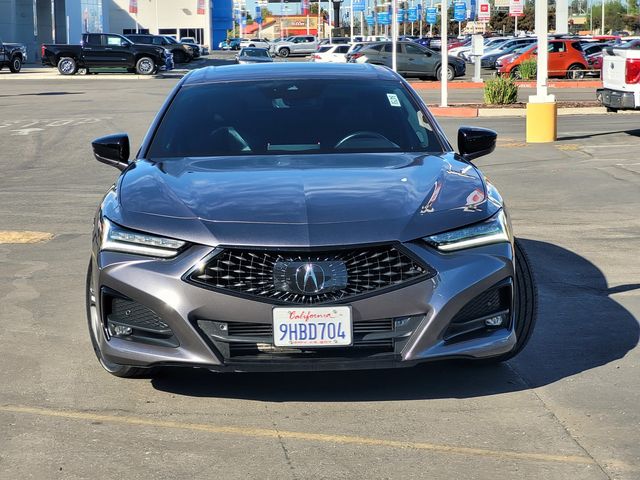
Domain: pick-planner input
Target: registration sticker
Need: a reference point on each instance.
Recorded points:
(312, 326)
(393, 100)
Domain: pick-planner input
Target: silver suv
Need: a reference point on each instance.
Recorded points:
(296, 45)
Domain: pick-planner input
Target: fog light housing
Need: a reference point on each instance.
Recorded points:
(121, 330)
(495, 321)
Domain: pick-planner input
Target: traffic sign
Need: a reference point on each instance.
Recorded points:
(460, 11)
(413, 14)
(432, 15)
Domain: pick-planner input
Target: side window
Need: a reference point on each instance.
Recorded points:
(93, 39)
(387, 48)
(576, 46)
(113, 41)
(342, 49)
(413, 50)
(158, 41)
(310, 39)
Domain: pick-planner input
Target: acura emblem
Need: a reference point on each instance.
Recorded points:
(310, 278)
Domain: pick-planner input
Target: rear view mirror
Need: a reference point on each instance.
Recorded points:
(474, 142)
(112, 150)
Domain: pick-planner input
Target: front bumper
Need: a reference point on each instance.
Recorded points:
(618, 99)
(421, 315)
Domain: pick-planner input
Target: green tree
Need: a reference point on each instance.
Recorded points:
(615, 16)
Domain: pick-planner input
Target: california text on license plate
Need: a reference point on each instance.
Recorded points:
(312, 326)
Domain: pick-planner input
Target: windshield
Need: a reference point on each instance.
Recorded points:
(295, 117)
(171, 40)
(254, 52)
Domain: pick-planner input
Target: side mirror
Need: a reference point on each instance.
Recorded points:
(474, 142)
(112, 150)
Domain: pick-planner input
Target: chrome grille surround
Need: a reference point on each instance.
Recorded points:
(254, 273)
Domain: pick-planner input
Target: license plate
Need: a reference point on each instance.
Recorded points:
(312, 327)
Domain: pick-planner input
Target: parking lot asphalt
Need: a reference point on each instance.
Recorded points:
(566, 408)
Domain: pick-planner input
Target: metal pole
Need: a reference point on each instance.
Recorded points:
(157, 21)
(543, 49)
(330, 22)
(351, 22)
(421, 16)
(394, 35)
(444, 57)
(431, 24)
(362, 25)
(602, 26)
(516, 27)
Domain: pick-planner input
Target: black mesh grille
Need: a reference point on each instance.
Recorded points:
(251, 272)
(491, 301)
(133, 314)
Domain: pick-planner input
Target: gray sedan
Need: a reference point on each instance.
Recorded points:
(301, 216)
(413, 60)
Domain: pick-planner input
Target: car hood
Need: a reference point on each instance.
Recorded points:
(305, 200)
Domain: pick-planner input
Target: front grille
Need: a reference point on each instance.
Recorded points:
(258, 273)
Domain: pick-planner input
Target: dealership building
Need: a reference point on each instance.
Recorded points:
(34, 22)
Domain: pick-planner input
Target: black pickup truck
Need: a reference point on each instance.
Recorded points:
(106, 50)
(12, 55)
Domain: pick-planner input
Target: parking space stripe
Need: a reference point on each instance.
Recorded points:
(303, 436)
(9, 236)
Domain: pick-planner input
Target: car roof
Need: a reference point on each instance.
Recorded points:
(282, 70)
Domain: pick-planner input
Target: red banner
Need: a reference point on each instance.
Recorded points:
(201, 7)
(133, 6)
(305, 7)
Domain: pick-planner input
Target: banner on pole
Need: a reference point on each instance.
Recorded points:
(432, 15)
(200, 9)
(359, 5)
(370, 19)
(133, 6)
(460, 11)
(383, 18)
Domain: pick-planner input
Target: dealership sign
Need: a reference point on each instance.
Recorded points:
(484, 11)
(432, 15)
(516, 8)
(460, 11)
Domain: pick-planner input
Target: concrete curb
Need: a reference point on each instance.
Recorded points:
(471, 112)
(455, 85)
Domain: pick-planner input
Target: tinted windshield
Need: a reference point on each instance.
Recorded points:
(254, 52)
(296, 116)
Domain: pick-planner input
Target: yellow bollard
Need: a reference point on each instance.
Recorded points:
(542, 124)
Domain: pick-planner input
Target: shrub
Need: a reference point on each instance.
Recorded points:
(500, 91)
(528, 69)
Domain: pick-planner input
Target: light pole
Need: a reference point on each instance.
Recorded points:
(394, 35)
(602, 25)
(444, 57)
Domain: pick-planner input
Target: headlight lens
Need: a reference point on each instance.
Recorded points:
(118, 239)
(493, 230)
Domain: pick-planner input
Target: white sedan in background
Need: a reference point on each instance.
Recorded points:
(255, 42)
(331, 54)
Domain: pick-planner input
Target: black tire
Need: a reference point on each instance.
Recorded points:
(67, 66)
(612, 110)
(576, 71)
(251, 45)
(284, 52)
(83, 71)
(525, 305)
(451, 73)
(515, 73)
(16, 64)
(94, 323)
(145, 66)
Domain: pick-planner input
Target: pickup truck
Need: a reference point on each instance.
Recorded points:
(106, 50)
(620, 77)
(296, 45)
(12, 55)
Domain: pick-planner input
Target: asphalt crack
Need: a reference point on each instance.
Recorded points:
(285, 451)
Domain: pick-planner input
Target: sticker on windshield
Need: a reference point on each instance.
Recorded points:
(393, 100)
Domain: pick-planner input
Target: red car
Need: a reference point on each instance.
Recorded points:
(565, 60)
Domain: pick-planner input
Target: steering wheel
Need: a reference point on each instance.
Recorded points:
(365, 134)
(230, 134)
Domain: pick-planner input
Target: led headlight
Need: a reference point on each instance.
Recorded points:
(118, 239)
(493, 230)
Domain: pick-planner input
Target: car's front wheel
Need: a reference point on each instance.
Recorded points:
(284, 52)
(525, 304)
(450, 73)
(16, 64)
(95, 331)
(67, 66)
(145, 66)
